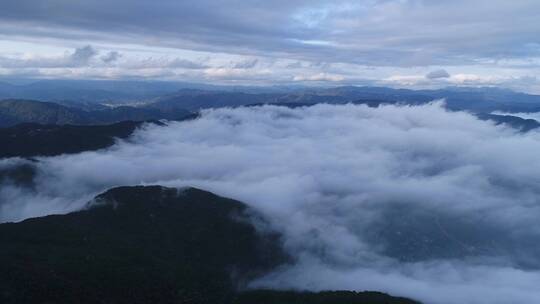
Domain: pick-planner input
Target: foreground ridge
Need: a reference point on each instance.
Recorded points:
(148, 244)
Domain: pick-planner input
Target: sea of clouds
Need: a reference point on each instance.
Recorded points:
(416, 201)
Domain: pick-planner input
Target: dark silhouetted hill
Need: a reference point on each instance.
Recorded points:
(523, 125)
(27, 140)
(326, 297)
(136, 245)
(149, 244)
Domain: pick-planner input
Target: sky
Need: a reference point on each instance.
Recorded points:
(399, 43)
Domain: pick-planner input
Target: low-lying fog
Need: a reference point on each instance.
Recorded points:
(415, 201)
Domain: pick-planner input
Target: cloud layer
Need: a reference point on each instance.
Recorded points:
(394, 32)
(356, 41)
(411, 200)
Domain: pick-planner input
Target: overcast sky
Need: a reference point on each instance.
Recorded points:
(409, 43)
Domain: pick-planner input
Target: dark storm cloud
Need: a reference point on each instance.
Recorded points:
(392, 33)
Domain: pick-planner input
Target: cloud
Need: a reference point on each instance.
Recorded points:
(340, 37)
(81, 56)
(166, 63)
(246, 64)
(319, 77)
(236, 74)
(438, 77)
(185, 64)
(111, 56)
(295, 65)
(377, 33)
(405, 80)
(412, 200)
(89, 62)
(474, 79)
(436, 74)
(525, 83)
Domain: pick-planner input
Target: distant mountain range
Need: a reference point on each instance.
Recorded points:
(472, 99)
(171, 104)
(16, 111)
(34, 128)
(106, 91)
(192, 96)
(86, 90)
(149, 244)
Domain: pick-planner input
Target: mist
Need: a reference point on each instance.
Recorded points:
(416, 201)
(524, 115)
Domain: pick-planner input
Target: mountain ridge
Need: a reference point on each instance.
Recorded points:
(14, 111)
(150, 244)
